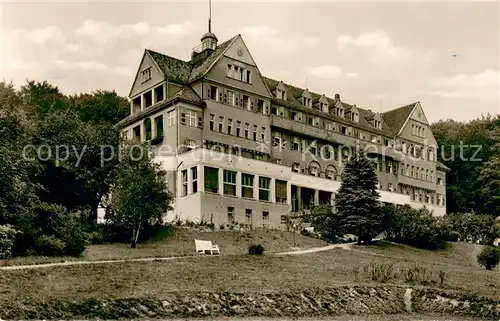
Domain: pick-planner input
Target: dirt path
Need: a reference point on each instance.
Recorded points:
(346, 246)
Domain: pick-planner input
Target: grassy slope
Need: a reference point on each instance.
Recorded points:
(244, 273)
(182, 243)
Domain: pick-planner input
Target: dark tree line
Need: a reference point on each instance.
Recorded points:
(473, 184)
(58, 159)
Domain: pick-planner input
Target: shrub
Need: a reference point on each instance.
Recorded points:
(417, 228)
(49, 245)
(416, 275)
(96, 237)
(442, 277)
(7, 239)
(256, 249)
(75, 240)
(474, 227)
(489, 257)
(381, 272)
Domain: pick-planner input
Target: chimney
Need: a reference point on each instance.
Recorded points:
(337, 97)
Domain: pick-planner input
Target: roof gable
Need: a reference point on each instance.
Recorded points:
(157, 75)
(418, 114)
(238, 50)
(398, 117)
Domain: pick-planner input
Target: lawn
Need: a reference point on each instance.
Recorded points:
(244, 273)
(181, 243)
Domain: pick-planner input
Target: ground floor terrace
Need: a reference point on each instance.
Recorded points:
(224, 189)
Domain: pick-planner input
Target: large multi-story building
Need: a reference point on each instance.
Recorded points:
(242, 148)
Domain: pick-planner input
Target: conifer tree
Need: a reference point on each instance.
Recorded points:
(357, 200)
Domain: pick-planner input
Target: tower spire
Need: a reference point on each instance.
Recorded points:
(209, 15)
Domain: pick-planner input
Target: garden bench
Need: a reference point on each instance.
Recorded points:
(202, 247)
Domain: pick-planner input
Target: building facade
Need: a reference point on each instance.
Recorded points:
(240, 148)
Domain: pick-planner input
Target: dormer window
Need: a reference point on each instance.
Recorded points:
(307, 102)
(339, 112)
(355, 117)
(280, 94)
(324, 107)
(146, 74)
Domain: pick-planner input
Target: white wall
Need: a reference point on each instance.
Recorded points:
(190, 205)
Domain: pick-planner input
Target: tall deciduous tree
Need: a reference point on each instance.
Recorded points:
(139, 197)
(465, 147)
(357, 200)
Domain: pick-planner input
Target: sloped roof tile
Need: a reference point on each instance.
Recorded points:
(175, 70)
(397, 117)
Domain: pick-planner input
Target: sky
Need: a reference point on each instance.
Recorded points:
(377, 55)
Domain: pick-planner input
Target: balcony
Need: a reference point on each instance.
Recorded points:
(316, 132)
(416, 182)
(333, 137)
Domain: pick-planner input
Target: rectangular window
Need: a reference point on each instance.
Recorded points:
(213, 92)
(190, 144)
(230, 215)
(159, 126)
(194, 179)
(238, 128)
(247, 130)
(263, 134)
(246, 102)
(248, 216)
(136, 132)
(146, 74)
(229, 126)
(264, 188)
(229, 183)
(440, 181)
(211, 179)
(295, 144)
(343, 130)
(265, 218)
(184, 181)
(171, 118)
(221, 124)
(260, 105)
(255, 132)
(388, 166)
(230, 98)
(277, 139)
(191, 118)
(280, 191)
(212, 121)
(247, 185)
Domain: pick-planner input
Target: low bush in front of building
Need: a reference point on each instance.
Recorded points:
(256, 249)
(489, 257)
(416, 227)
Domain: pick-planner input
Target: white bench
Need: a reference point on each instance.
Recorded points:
(202, 247)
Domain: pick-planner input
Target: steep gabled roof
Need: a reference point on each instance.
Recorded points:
(202, 67)
(397, 117)
(174, 69)
(185, 72)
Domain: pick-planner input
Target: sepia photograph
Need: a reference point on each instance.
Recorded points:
(250, 160)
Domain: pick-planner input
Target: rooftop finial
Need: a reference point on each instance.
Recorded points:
(209, 15)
